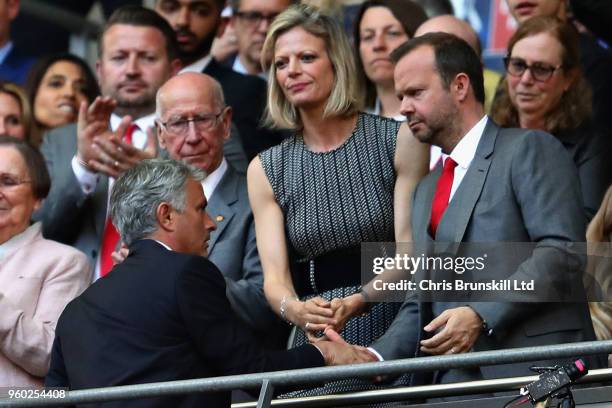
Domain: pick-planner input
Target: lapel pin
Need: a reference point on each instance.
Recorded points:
(219, 218)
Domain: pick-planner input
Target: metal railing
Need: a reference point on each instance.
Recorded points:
(322, 374)
(423, 391)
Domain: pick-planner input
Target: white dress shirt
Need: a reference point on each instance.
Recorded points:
(464, 153)
(241, 69)
(210, 183)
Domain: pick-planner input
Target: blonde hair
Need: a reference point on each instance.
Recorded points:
(344, 97)
(19, 94)
(600, 231)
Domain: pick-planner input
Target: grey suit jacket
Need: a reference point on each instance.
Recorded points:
(233, 249)
(68, 214)
(74, 218)
(520, 187)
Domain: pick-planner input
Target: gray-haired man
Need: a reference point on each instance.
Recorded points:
(193, 123)
(162, 314)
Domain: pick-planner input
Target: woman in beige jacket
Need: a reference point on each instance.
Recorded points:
(38, 277)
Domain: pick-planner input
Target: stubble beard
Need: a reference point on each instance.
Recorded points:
(442, 127)
(202, 49)
(136, 107)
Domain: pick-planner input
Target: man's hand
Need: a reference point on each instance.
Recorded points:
(460, 329)
(225, 46)
(120, 255)
(92, 121)
(114, 156)
(336, 351)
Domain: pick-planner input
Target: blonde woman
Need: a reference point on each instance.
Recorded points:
(344, 178)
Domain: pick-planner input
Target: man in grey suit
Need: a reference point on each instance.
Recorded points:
(193, 122)
(496, 185)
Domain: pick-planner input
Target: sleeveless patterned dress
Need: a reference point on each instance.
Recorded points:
(332, 202)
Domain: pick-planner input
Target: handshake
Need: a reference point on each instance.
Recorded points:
(319, 315)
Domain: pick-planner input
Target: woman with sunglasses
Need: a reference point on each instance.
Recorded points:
(544, 89)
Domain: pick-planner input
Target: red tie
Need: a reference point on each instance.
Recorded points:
(111, 236)
(442, 194)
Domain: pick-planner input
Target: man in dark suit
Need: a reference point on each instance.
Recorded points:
(137, 55)
(247, 18)
(496, 185)
(14, 66)
(162, 314)
(232, 248)
(196, 23)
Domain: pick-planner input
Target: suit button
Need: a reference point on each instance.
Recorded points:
(219, 218)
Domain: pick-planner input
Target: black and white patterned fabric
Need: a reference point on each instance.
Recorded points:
(336, 199)
(333, 201)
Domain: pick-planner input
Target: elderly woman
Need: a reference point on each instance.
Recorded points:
(544, 89)
(38, 277)
(15, 113)
(56, 87)
(380, 27)
(344, 178)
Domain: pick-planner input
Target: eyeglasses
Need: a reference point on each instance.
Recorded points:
(8, 181)
(254, 18)
(539, 70)
(203, 122)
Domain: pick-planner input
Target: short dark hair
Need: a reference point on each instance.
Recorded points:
(35, 162)
(409, 14)
(140, 16)
(453, 56)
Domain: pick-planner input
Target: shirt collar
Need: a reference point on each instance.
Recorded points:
(143, 123)
(464, 152)
(164, 245)
(241, 69)
(197, 66)
(139, 137)
(4, 51)
(211, 181)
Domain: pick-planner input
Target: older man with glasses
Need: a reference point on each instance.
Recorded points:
(193, 122)
(196, 23)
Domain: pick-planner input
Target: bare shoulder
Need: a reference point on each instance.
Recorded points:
(410, 151)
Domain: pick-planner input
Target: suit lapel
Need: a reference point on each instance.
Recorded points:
(220, 205)
(462, 205)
